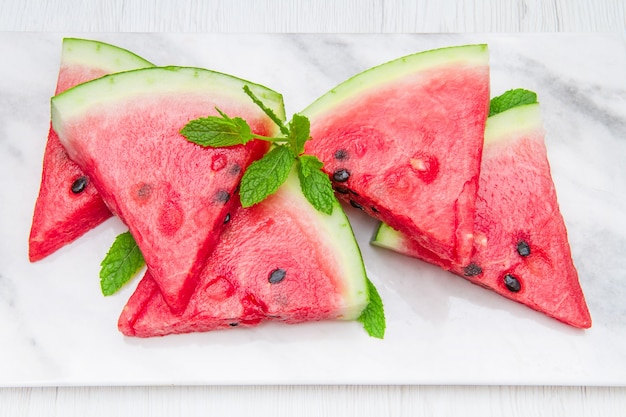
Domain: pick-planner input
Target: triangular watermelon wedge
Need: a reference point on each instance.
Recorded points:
(403, 142)
(521, 249)
(68, 205)
(279, 260)
(123, 131)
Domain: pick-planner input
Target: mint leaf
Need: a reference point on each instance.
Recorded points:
(217, 131)
(373, 317)
(121, 263)
(264, 176)
(315, 184)
(269, 112)
(299, 132)
(510, 99)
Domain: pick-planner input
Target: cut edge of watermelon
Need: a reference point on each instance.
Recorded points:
(350, 257)
(101, 55)
(183, 80)
(470, 55)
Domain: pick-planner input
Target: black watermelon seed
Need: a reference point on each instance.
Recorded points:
(80, 184)
(341, 154)
(356, 205)
(277, 275)
(342, 190)
(472, 270)
(374, 209)
(512, 283)
(234, 169)
(341, 175)
(234, 324)
(522, 248)
(227, 218)
(222, 196)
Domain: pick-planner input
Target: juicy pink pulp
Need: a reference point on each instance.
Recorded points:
(408, 164)
(172, 194)
(61, 216)
(234, 287)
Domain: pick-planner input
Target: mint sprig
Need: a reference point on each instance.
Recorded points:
(373, 317)
(120, 264)
(264, 176)
(510, 99)
(218, 131)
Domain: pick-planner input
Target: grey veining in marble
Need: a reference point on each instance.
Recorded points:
(57, 329)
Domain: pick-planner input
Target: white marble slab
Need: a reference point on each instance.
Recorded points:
(57, 329)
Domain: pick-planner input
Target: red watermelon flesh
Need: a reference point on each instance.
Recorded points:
(62, 215)
(521, 249)
(123, 131)
(279, 260)
(403, 142)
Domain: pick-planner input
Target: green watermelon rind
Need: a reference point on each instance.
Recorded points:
(471, 55)
(337, 231)
(518, 120)
(96, 54)
(116, 87)
(387, 237)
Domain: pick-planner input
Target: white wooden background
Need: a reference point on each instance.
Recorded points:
(356, 16)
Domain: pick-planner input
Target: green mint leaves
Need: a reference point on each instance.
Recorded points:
(315, 184)
(373, 317)
(510, 99)
(218, 131)
(121, 263)
(264, 176)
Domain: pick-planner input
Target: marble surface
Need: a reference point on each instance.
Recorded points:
(59, 330)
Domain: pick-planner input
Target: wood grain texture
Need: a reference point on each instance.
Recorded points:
(376, 16)
(314, 401)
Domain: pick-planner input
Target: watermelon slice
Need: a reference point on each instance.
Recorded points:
(68, 205)
(123, 131)
(521, 250)
(403, 142)
(279, 260)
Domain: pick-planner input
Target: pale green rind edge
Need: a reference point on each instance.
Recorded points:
(96, 54)
(472, 55)
(386, 237)
(515, 121)
(336, 229)
(118, 87)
